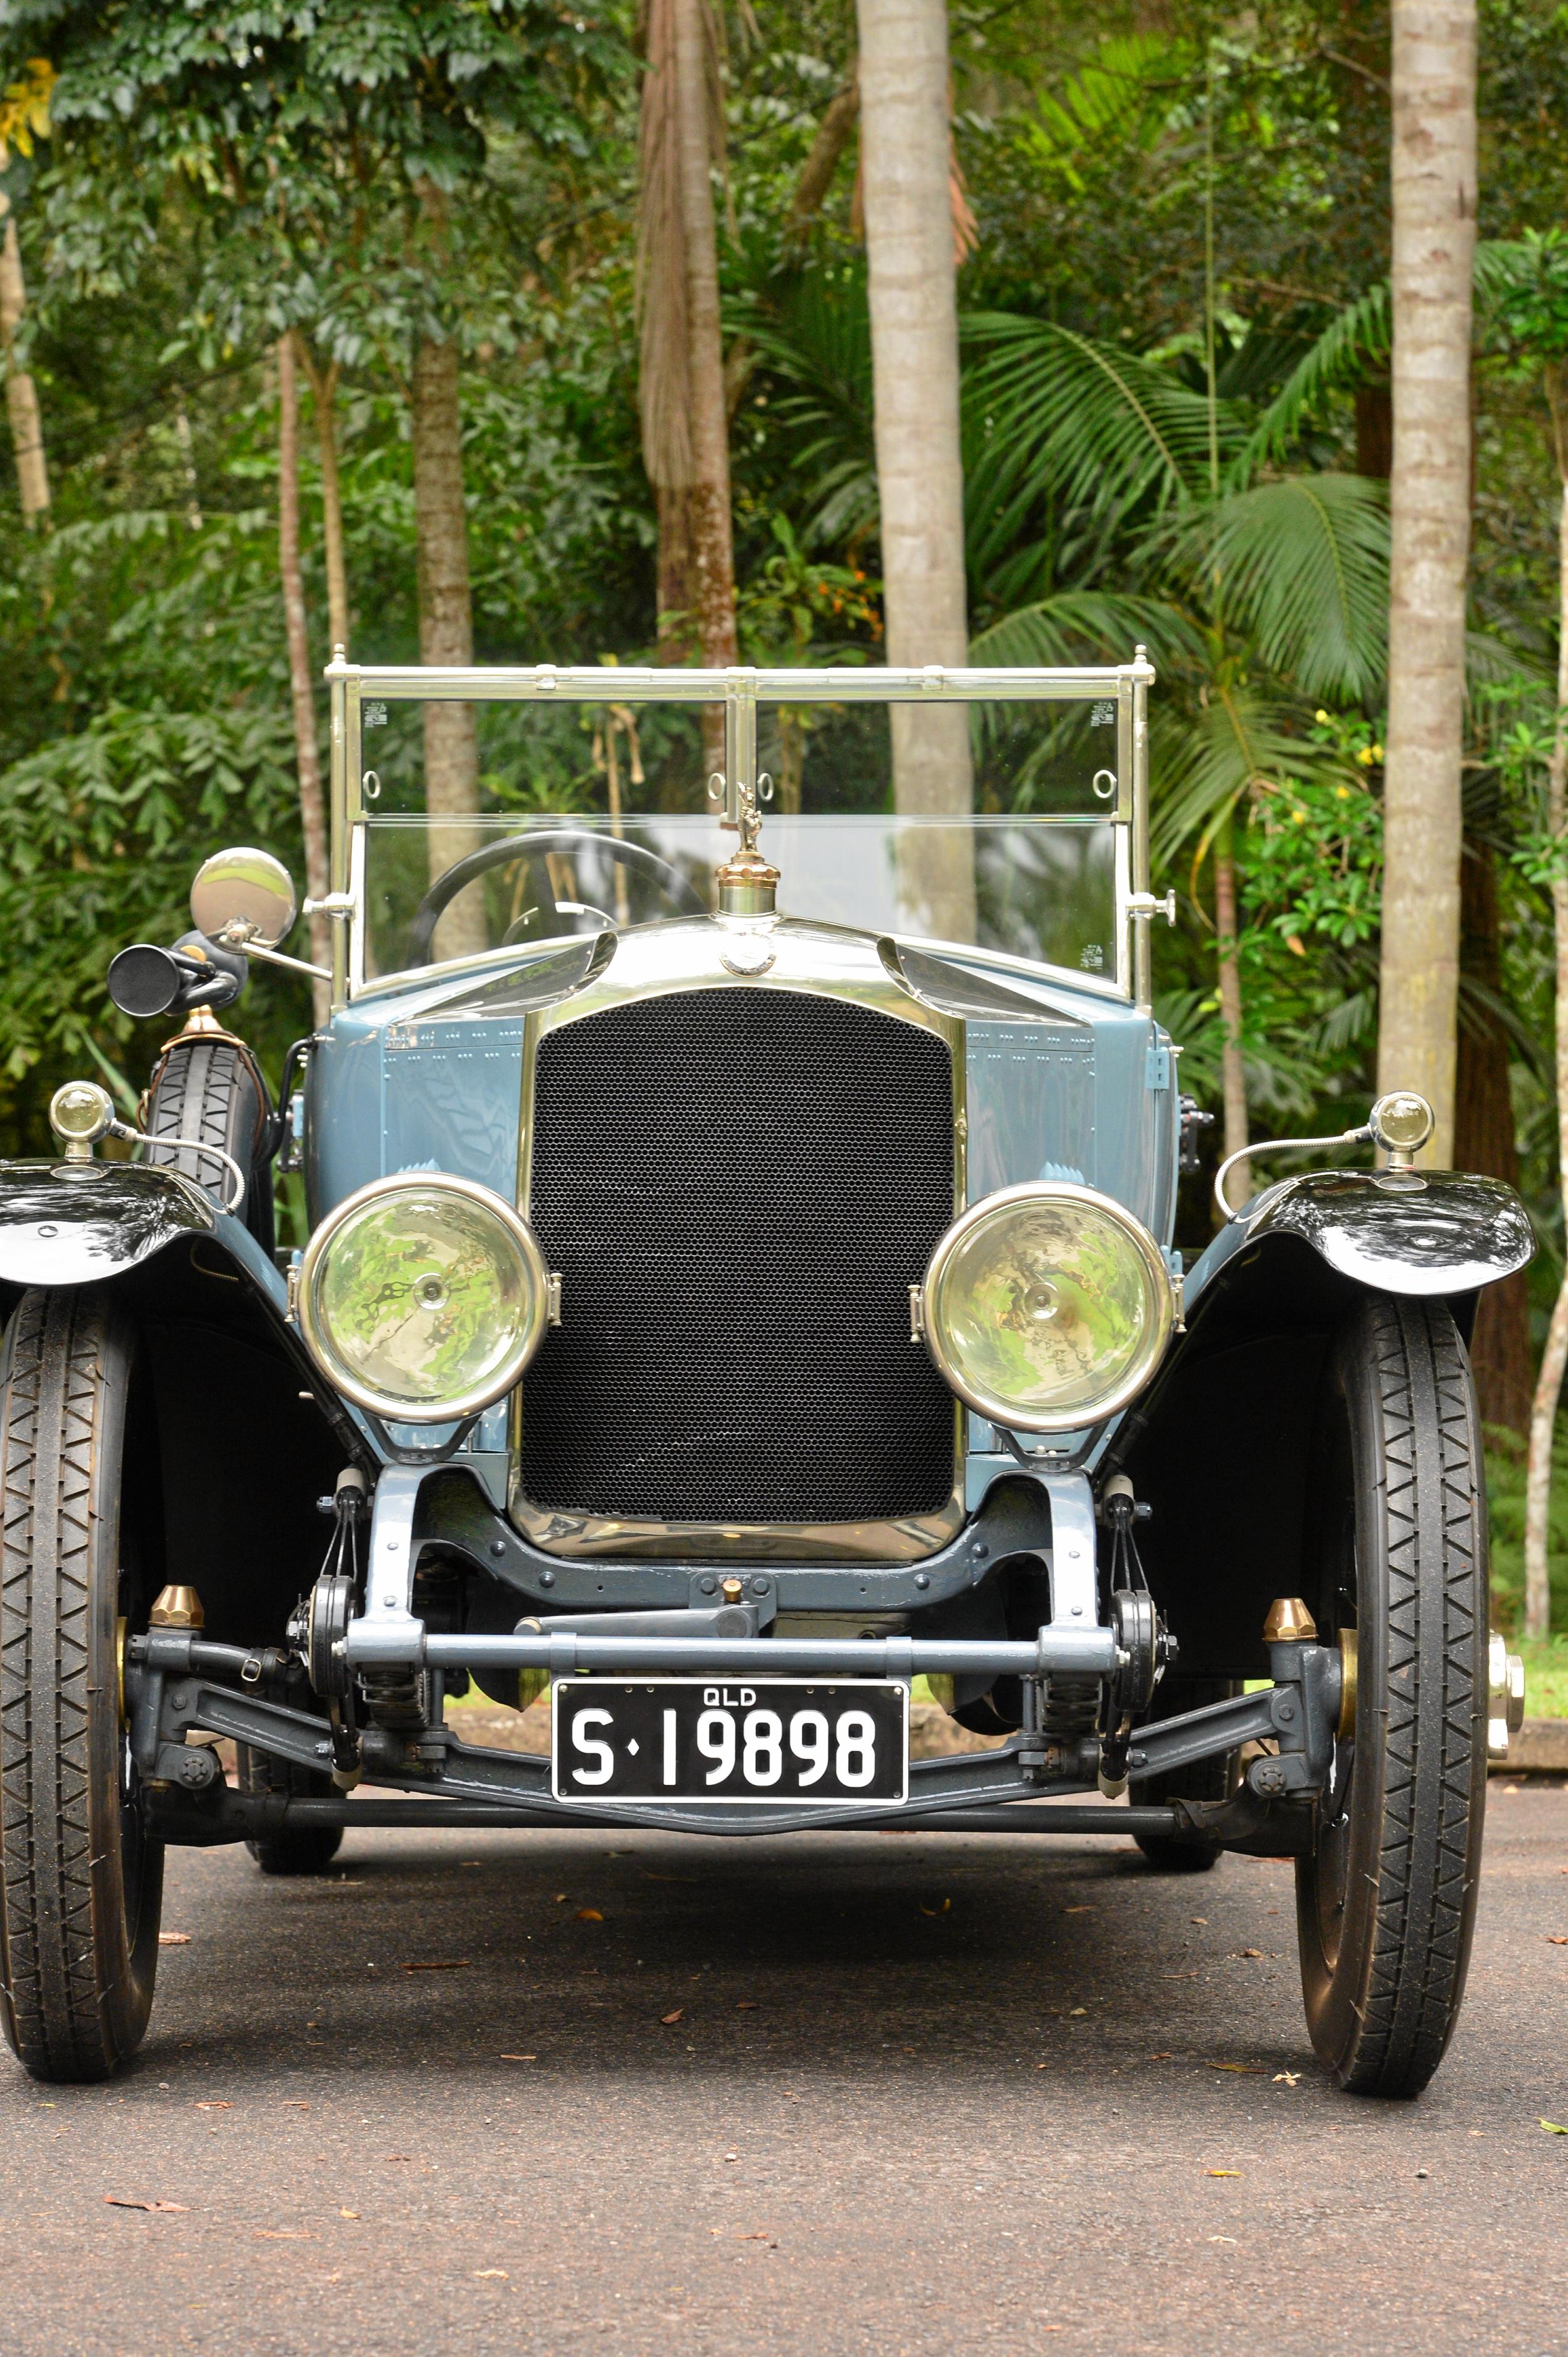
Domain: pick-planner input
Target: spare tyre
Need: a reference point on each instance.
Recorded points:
(207, 1090)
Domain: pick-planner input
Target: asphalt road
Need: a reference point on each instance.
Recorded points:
(891, 2094)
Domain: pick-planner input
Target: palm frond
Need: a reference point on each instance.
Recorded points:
(1491, 662)
(1202, 763)
(1096, 623)
(1349, 349)
(1301, 565)
(1356, 344)
(1050, 414)
(812, 334)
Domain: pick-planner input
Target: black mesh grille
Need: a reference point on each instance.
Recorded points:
(739, 1188)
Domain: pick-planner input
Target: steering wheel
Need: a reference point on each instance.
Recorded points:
(533, 847)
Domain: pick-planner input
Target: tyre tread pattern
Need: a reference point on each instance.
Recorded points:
(56, 2013)
(1432, 1512)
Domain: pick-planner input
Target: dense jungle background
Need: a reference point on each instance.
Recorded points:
(1175, 236)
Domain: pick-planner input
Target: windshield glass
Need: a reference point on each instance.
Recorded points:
(593, 815)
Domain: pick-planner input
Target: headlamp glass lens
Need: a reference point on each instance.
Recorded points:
(1045, 1308)
(425, 1298)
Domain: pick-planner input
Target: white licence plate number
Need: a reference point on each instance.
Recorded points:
(759, 1741)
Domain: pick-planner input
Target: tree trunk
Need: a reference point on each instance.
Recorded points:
(1233, 1070)
(708, 498)
(1375, 430)
(1433, 181)
(323, 392)
(904, 144)
(445, 633)
(1554, 1357)
(834, 135)
(1484, 1140)
(307, 751)
(21, 392)
(676, 642)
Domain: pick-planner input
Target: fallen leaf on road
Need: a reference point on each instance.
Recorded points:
(1222, 2238)
(347, 2213)
(1557, 1939)
(1077, 2012)
(122, 2201)
(496, 2274)
(215, 2108)
(519, 2057)
(669, 2019)
(560, 1898)
(1550, 2125)
(440, 1964)
(1200, 1919)
(759, 2238)
(750, 2003)
(936, 1911)
(1289, 2078)
(289, 2104)
(1249, 2067)
(1162, 2057)
(1248, 1951)
(1077, 1911)
(1222, 2172)
(174, 1939)
(589, 1915)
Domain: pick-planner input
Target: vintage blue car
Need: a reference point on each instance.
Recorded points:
(738, 1286)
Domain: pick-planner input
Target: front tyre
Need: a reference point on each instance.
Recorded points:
(1206, 1780)
(82, 1883)
(297, 1850)
(1386, 1903)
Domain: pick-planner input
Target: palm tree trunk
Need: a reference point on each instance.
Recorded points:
(307, 751)
(682, 394)
(1233, 1070)
(1434, 181)
(905, 154)
(1484, 1140)
(1554, 1357)
(21, 392)
(708, 498)
(445, 631)
(324, 396)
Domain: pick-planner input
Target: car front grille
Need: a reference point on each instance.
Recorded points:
(739, 1188)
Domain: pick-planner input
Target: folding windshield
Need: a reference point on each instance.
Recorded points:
(997, 811)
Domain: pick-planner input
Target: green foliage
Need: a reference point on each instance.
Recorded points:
(1505, 1493)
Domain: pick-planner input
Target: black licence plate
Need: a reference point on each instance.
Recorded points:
(759, 1741)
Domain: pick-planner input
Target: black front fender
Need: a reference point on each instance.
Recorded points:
(81, 1222)
(1219, 1448)
(1443, 1232)
(177, 1258)
(244, 1434)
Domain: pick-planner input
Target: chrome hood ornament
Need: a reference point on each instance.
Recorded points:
(748, 884)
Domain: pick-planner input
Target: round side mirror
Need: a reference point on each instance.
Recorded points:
(242, 896)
